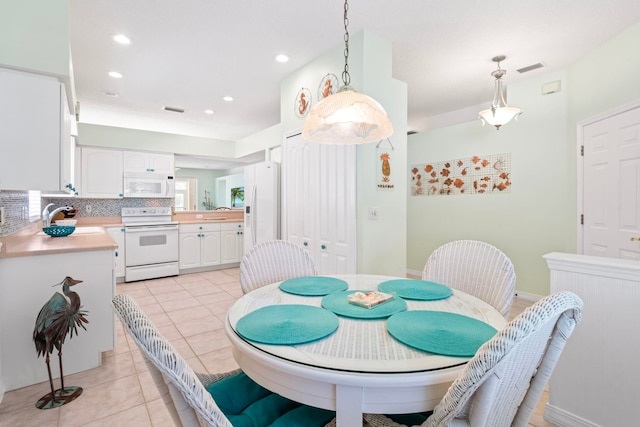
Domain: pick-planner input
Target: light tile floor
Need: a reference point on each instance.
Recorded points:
(189, 310)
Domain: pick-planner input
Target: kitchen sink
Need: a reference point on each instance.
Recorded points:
(80, 230)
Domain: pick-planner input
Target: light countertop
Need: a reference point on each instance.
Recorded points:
(28, 242)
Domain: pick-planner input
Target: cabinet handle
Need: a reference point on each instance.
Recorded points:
(635, 239)
(306, 243)
(116, 253)
(323, 247)
(120, 195)
(200, 228)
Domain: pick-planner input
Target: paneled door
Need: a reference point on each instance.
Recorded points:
(319, 202)
(611, 185)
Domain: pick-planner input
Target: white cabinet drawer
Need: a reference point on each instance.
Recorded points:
(200, 227)
(231, 226)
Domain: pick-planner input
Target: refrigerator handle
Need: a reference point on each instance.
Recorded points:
(253, 215)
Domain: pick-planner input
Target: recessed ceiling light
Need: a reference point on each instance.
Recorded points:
(208, 111)
(227, 98)
(282, 58)
(121, 38)
(115, 74)
(111, 94)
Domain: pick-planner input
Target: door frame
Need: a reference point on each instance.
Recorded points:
(580, 160)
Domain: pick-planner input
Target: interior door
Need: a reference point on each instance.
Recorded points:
(611, 189)
(319, 202)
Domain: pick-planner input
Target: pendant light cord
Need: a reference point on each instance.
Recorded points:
(346, 78)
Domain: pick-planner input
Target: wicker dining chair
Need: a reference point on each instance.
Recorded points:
(191, 403)
(501, 385)
(476, 268)
(274, 261)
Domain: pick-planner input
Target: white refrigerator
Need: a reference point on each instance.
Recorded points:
(261, 203)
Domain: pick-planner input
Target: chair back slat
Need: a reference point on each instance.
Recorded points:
(501, 385)
(476, 268)
(274, 261)
(192, 403)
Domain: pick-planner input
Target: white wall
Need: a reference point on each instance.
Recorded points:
(526, 223)
(35, 36)
(142, 140)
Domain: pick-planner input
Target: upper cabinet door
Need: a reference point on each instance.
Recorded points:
(135, 161)
(30, 130)
(101, 173)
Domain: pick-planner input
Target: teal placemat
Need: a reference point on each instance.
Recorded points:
(440, 332)
(313, 286)
(287, 324)
(415, 289)
(338, 303)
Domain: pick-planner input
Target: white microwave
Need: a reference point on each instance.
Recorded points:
(148, 185)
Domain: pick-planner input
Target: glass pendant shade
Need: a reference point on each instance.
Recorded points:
(499, 113)
(347, 117)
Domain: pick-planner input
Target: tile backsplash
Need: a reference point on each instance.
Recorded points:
(16, 211)
(16, 204)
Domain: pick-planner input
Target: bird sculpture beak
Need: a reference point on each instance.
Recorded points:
(69, 280)
(72, 281)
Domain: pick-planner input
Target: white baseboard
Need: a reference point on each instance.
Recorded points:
(417, 273)
(563, 418)
(527, 296)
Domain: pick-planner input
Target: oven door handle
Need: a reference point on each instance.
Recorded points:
(150, 229)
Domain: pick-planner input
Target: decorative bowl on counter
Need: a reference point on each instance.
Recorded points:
(59, 230)
(67, 222)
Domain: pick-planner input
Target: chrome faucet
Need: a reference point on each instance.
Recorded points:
(48, 217)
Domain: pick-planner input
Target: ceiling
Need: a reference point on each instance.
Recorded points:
(190, 53)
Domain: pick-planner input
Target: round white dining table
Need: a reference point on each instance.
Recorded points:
(360, 368)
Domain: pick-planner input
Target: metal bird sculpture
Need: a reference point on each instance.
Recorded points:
(60, 316)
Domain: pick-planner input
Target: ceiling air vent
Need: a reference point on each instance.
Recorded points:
(530, 68)
(173, 109)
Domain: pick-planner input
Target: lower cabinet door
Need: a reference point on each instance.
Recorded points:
(189, 250)
(210, 249)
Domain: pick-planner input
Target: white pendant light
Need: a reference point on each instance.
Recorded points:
(499, 113)
(347, 117)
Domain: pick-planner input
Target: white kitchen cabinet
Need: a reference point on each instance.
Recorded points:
(35, 127)
(117, 234)
(231, 241)
(101, 173)
(137, 161)
(319, 202)
(199, 245)
(208, 244)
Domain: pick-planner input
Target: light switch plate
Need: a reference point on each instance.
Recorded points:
(373, 213)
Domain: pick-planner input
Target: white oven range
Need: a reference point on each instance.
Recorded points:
(151, 243)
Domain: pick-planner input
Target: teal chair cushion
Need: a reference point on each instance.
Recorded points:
(410, 419)
(247, 404)
(304, 416)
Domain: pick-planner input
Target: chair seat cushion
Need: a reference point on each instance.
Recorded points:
(247, 404)
(410, 419)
